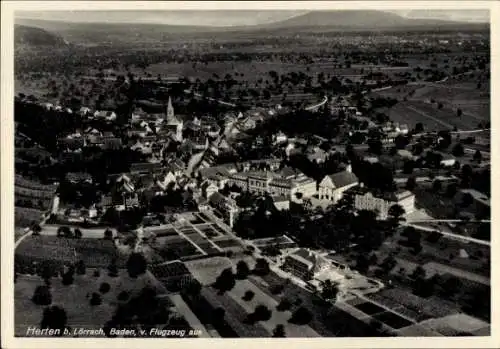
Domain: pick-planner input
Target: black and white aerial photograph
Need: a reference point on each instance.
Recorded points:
(251, 173)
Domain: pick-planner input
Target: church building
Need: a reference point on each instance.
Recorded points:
(173, 123)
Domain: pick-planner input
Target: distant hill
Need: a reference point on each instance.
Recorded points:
(360, 20)
(36, 37)
(314, 21)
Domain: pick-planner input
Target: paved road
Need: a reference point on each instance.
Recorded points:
(315, 106)
(471, 131)
(450, 235)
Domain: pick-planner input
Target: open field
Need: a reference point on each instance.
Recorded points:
(441, 250)
(413, 112)
(277, 317)
(234, 314)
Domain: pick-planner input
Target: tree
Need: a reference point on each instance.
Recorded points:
(362, 263)
(437, 186)
(408, 166)
(401, 142)
(242, 270)
(375, 146)
(96, 299)
(36, 229)
(55, 318)
(261, 267)
(80, 267)
(396, 212)
(419, 127)
(279, 331)
(113, 268)
(123, 296)
(225, 281)
(67, 277)
(451, 286)
(451, 190)
(418, 273)
(248, 296)
(414, 237)
(261, 313)
(388, 263)
(42, 295)
(108, 234)
(411, 183)
(277, 289)
(329, 290)
(467, 200)
(458, 150)
(478, 156)
(301, 316)
(218, 315)
(136, 265)
(193, 289)
(104, 288)
(78, 233)
(284, 304)
(64, 232)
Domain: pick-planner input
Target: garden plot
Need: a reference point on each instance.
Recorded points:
(161, 231)
(94, 253)
(176, 247)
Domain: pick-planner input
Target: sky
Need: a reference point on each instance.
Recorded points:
(225, 17)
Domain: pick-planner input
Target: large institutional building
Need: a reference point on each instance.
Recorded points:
(381, 203)
(286, 183)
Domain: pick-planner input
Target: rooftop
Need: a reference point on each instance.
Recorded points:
(344, 178)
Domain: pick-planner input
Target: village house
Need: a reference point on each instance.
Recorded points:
(316, 155)
(279, 138)
(164, 181)
(105, 114)
(146, 167)
(84, 111)
(208, 188)
(225, 206)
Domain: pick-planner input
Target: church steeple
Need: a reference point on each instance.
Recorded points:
(170, 110)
